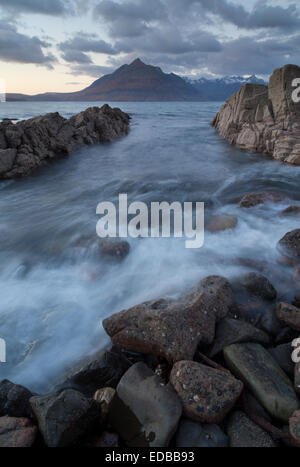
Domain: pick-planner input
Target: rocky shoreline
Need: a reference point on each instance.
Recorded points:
(212, 368)
(264, 119)
(27, 145)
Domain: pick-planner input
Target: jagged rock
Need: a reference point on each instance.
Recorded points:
(29, 144)
(243, 433)
(264, 119)
(195, 435)
(289, 315)
(65, 417)
(17, 432)
(145, 412)
(221, 222)
(251, 200)
(263, 377)
(232, 331)
(173, 329)
(207, 394)
(290, 243)
(258, 285)
(14, 400)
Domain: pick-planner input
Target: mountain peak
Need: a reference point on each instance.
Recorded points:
(137, 61)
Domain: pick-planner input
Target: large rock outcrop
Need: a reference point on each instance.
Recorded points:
(29, 144)
(264, 118)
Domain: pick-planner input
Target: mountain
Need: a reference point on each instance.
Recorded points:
(221, 89)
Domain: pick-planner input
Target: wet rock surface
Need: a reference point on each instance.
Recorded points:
(114, 248)
(30, 144)
(221, 222)
(17, 432)
(192, 434)
(173, 329)
(289, 315)
(251, 200)
(207, 394)
(257, 285)
(290, 243)
(14, 400)
(243, 433)
(145, 411)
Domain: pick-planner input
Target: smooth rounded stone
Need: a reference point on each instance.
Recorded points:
(282, 354)
(243, 433)
(173, 329)
(207, 394)
(17, 432)
(221, 222)
(253, 406)
(294, 425)
(289, 315)
(263, 377)
(195, 435)
(65, 417)
(290, 243)
(254, 199)
(101, 370)
(104, 397)
(291, 211)
(258, 285)
(114, 248)
(232, 331)
(145, 411)
(14, 400)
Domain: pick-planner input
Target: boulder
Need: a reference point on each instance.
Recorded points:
(263, 377)
(294, 425)
(114, 248)
(173, 329)
(297, 378)
(291, 211)
(258, 285)
(14, 400)
(195, 435)
(243, 433)
(251, 200)
(221, 222)
(17, 432)
(65, 417)
(7, 158)
(290, 243)
(207, 394)
(289, 315)
(282, 354)
(232, 331)
(145, 411)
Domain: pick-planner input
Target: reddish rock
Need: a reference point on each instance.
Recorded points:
(254, 199)
(17, 432)
(290, 243)
(289, 315)
(207, 394)
(173, 329)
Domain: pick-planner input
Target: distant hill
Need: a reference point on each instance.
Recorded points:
(141, 82)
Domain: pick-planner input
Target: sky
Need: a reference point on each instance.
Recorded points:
(64, 45)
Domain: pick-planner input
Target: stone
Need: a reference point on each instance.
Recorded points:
(258, 285)
(289, 315)
(291, 211)
(264, 119)
(232, 331)
(17, 432)
(173, 329)
(294, 425)
(296, 301)
(221, 222)
(104, 397)
(270, 323)
(14, 400)
(297, 378)
(196, 435)
(105, 440)
(7, 158)
(65, 417)
(263, 377)
(282, 354)
(290, 243)
(243, 433)
(207, 394)
(251, 200)
(145, 411)
(114, 248)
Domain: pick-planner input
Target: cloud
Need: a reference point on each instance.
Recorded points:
(94, 71)
(46, 7)
(75, 49)
(20, 48)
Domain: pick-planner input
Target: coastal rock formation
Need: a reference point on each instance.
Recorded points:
(29, 144)
(264, 118)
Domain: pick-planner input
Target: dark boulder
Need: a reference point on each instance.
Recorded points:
(14, 400)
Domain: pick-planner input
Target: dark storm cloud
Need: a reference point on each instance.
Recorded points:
(53, 7)
(76, 49)
(20, 48)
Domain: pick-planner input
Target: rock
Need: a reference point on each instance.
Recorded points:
(296, 277)
(173, 329)
(17, 432)
(282, 354)
(243, 433)
(258, 285)
(105, 440)
(289, 315)
(65, 417)
(290, 243)
(195, 435)
(270, 323)
(104, 369)
(294, 425)
(252, 406)
(232, 331)
(29, 144)
(221, 222)
(207, 394)
(286, 261)
(264, 119)
(14, 400)
(296, 301)
(114, 248)
(297, 378)
(285, 336)
(263, 377)
(291, 211)
(145, 412)
(104, 397)
(254, 199)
